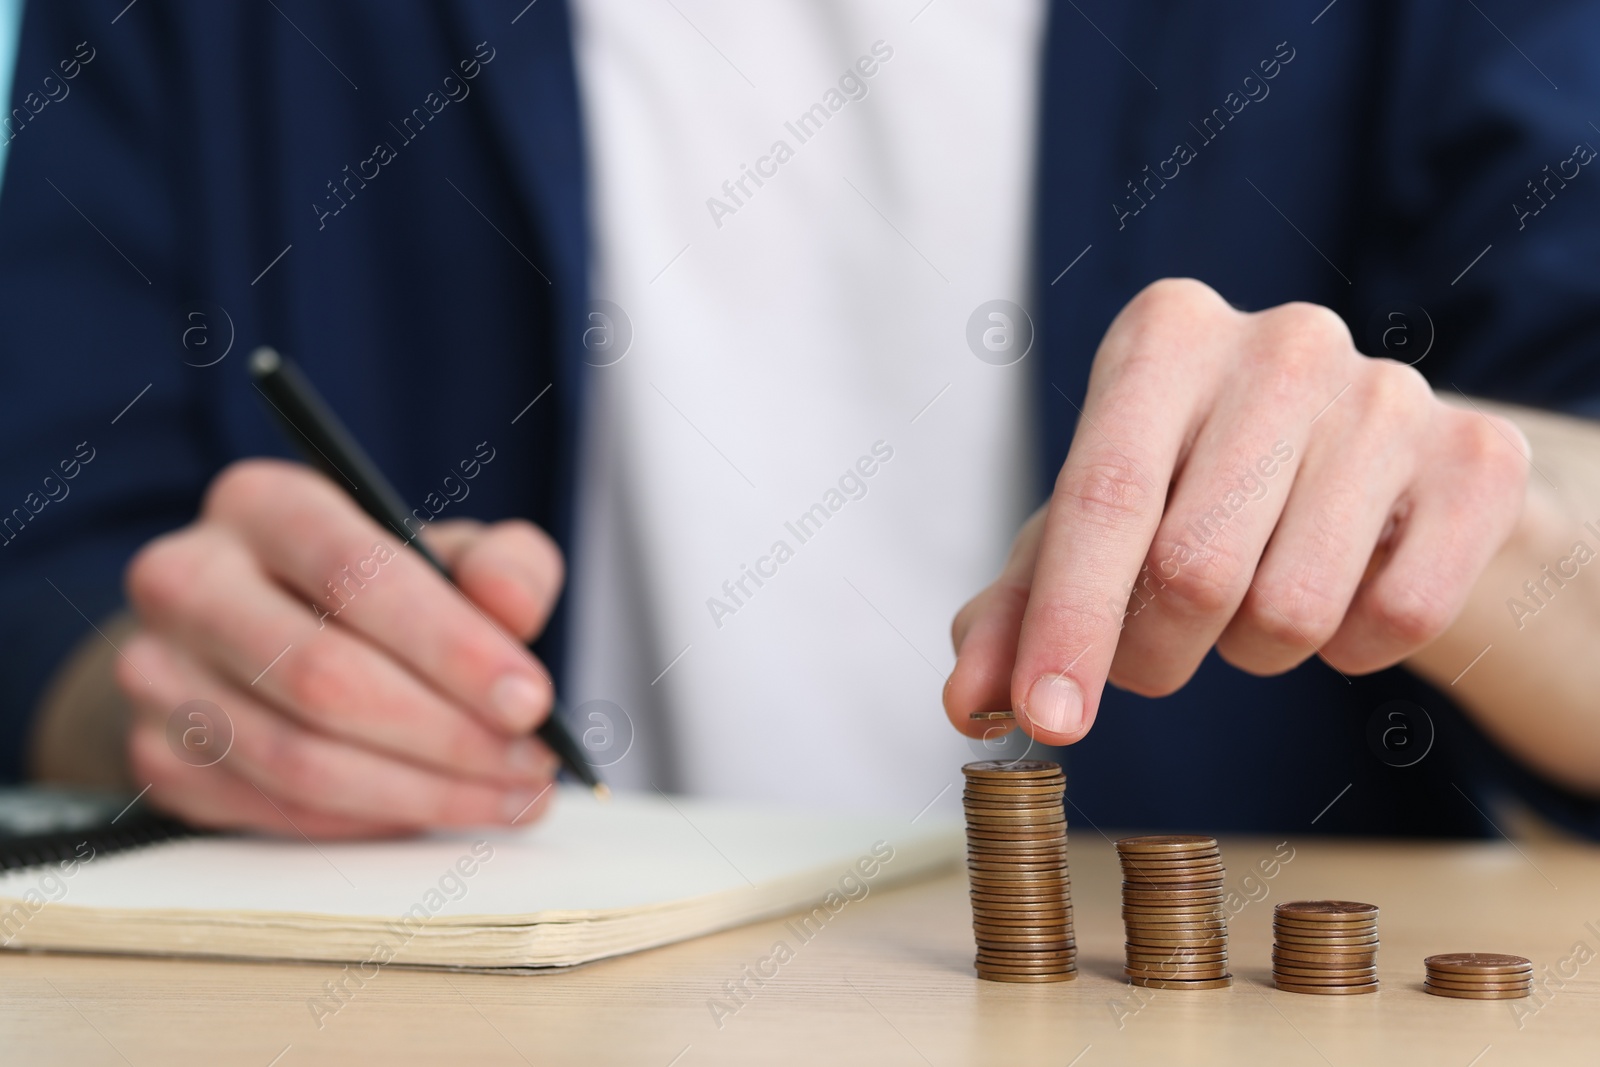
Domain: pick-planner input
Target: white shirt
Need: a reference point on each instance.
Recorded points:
(799, 469)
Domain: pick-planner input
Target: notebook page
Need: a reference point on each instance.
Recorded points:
(636, 851)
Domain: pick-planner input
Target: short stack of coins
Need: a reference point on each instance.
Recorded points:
(1327, 947)
(1017, 863)
(1478, 976)
(1172, 909)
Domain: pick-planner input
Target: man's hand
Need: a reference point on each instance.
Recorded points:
(1244, 481)
(366, 695)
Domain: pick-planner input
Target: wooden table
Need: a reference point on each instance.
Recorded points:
(889, 981)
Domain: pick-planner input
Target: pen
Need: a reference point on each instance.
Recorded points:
(327, 445)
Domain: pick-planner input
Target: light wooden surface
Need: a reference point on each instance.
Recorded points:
(889, 981)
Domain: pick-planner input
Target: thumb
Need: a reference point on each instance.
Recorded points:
(985, 634)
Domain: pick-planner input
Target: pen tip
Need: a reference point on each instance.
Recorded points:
(602, 791)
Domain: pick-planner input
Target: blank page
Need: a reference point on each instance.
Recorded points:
(638, 851)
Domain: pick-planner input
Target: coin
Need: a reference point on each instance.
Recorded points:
(1019, 791)
(989, 827)
(1166, 845)
(1043, 930)
(1325, 929)
(1314, 959)
(1324, 990)
(1005, 976)
(1065, 961)
(1044, 844)
(1175, 897)
(1324, 939)
(1056, 919)
(1199, 872)
(1179, 983)
(1172, 885)
(1053, 814)
(1300, 922)
(1202, 973)
(1021, 905)
(1016, 865)
(1144, 955)
(1034, 964)
(1176, 914)
(1014, 955)
(1307, 976)
(1171, 937)
(1056, 916)
(1177, 966)
(1211, 877)
(1523, 983)
(1478, 963)
(1023, 795)
(1041, 880)
(1010, 770)
(1161, 850)
(1027, 963)
(1045, 912)
(1197, 944)
(1156, 861)
(1169, 879)
(1343, 944)
(1326, 910)
(1055, 942)
(1155, 868)
(1475, 994)
(1036, 806)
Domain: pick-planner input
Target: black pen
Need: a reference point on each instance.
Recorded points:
(327, 445)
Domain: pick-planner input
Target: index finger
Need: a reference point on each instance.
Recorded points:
(312, 538)
(1144, 394)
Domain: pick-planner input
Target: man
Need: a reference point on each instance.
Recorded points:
(815, 442)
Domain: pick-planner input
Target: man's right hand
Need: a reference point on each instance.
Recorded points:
(366, 695)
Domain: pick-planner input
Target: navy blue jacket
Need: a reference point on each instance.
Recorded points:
(400, 205)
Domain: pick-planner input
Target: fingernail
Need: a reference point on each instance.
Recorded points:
(516, 700)
(528, 758)
(1055, 703)
(518, 804)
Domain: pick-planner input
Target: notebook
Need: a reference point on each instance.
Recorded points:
(590, 880)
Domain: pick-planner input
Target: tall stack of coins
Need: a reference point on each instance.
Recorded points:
(1172, 909)
(1478, 976)
(1325, 946)
(1017, 862)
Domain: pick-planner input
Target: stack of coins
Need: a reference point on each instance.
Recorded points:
(1325, 946)
(1172, 909)
(1017, 862)
(1478, 976)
